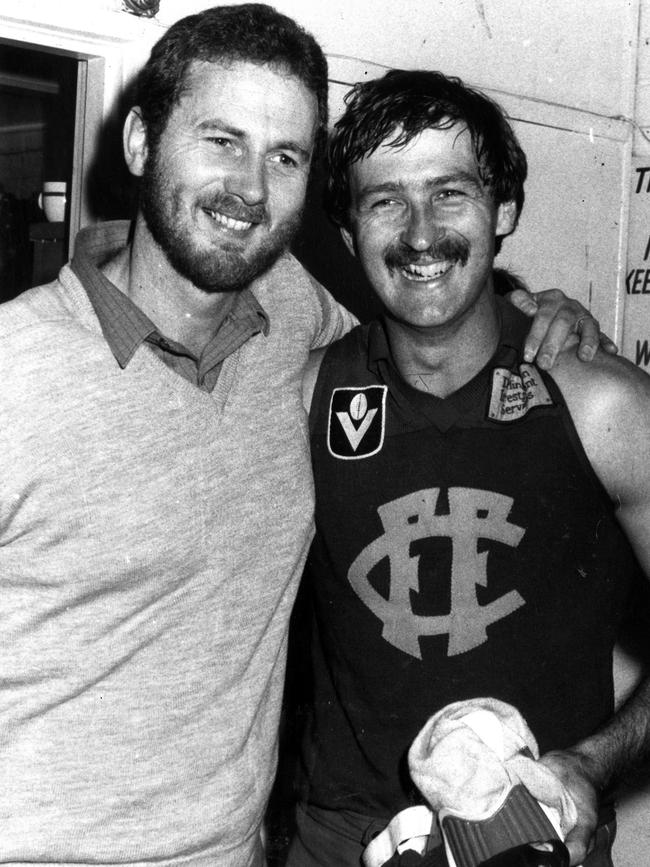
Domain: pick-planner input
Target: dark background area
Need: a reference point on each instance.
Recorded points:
(37, 123)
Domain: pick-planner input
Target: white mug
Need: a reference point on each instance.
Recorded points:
(53, 200)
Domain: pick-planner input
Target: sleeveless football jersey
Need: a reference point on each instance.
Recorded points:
(464, 548)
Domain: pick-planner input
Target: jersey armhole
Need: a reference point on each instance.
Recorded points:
(576, 442)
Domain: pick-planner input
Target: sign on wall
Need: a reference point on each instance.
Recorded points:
(636, 342)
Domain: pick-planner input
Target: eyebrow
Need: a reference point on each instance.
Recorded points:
(235, 132)
(457, 178)
(431, 183)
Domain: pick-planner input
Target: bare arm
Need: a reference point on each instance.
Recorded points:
(610, 405)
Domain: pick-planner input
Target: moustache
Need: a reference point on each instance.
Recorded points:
(232, 206)
(450, 249)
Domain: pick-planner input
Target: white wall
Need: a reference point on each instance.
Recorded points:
(569, 53)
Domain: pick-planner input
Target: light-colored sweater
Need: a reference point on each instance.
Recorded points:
(151, 541)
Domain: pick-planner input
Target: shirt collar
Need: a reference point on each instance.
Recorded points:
(124, 325)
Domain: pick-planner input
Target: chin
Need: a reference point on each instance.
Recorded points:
(214, 271)
(420, 318)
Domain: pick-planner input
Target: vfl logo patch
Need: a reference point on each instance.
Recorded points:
(356, 424)
(514, 393)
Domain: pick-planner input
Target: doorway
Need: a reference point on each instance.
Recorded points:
(39, 117)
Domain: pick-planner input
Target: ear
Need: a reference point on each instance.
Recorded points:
(506, 218)
(134, 139)
(348, 240)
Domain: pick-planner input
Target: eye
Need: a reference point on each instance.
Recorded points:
(220, 141)
(381, 204)
(285, 160)
(446, 195)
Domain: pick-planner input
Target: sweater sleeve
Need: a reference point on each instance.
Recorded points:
(333, 319)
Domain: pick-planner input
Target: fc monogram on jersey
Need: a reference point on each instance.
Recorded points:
(356, 423)
(472, 515)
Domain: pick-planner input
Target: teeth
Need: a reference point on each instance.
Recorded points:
(426, 272)
(229, 222)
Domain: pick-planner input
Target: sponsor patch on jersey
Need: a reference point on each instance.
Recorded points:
(516, 392)
(357, 421)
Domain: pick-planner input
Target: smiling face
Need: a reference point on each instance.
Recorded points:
(224, 187)
(423, 226)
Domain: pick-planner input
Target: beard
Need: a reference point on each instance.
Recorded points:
(227, 267)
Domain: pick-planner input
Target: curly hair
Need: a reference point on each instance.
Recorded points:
(252, 32)
(397, 107)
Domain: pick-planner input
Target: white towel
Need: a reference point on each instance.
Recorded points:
(469, 755)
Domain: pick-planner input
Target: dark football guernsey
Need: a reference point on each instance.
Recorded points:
(464, 548)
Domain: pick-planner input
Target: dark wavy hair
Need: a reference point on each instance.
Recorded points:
(252, 32)
(399, 106)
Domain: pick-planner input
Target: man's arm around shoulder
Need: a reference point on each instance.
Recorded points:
(609, 402)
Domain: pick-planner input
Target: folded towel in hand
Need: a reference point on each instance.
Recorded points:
(471, 753)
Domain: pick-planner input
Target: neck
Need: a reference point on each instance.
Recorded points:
(442, 359)
(179, 309)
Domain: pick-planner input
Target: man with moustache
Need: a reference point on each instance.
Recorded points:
(478, 520)
(157, 505)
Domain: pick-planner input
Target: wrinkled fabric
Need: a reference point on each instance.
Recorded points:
(469, 755)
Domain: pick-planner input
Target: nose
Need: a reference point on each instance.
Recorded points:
(247, 179)
(422, 227)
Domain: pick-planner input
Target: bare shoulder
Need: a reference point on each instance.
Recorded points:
(607, 384)
(609, 401)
